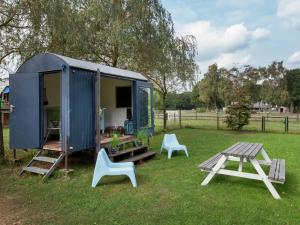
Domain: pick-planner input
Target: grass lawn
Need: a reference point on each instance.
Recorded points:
(169, 191)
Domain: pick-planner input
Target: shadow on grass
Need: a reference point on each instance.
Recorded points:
(116, 180)
(288, 188)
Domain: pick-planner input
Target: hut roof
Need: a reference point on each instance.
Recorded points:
(54, 61)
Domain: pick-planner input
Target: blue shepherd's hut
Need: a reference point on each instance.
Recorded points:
(75, 100)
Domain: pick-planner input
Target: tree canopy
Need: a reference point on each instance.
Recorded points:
(271, 84)
(131, 34)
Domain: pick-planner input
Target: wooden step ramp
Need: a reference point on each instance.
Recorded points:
(140, 157)
(41, 159)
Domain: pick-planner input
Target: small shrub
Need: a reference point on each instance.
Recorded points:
(115, 142)
(237, 116)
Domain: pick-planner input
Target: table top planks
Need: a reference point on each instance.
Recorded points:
(243, 149)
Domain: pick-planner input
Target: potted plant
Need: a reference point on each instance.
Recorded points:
(141, 137)
(115, 143)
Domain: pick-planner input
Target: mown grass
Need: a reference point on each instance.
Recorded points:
(169, 191)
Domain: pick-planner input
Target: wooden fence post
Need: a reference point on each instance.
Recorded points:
(263, 124)
(179, 118)
(286, 123)
(66, 152)
(217, 119)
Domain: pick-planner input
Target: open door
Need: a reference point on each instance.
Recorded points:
(143, 106)
(25, 117)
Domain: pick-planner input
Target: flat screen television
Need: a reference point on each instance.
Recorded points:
(123, 95)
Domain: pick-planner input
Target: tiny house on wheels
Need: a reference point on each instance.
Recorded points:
(66, 105)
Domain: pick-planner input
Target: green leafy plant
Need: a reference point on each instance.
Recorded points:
(141, 136)
(115, 141)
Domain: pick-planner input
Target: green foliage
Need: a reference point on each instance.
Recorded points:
(142, 135)
(238, 113)
(274, 89)
(212, 87)
(293, 86)
(133, 34)
(175, 100)
(266, 84)
(115, 141)
(185, 101)
(171, 100)
(195, 96)
(237, 116)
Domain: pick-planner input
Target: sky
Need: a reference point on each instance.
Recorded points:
(240, 32)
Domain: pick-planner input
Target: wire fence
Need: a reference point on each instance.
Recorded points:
(265, 122)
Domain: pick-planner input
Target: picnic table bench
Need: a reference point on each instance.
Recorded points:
(243, 152)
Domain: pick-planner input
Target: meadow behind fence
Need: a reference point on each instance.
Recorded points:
(261, 122)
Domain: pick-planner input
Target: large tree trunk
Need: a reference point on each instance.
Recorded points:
(164, 110)
(115, 56)
(2, 153)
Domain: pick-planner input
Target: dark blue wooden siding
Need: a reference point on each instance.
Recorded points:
(82, 109)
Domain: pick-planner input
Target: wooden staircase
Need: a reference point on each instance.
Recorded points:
(134, 153)
(46, 165)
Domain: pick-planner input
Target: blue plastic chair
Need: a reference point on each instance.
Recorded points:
(171, 144)
(105, 167)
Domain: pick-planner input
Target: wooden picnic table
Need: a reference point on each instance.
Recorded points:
(244, 152)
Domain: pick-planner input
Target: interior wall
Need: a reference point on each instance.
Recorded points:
(52, 88)
(113, 116)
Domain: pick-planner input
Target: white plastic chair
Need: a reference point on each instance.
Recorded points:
(170, 143)
(105, 167)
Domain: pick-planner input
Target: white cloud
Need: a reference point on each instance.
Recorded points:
(224, 46)
(229, 60)
(214, 41)
(289, 11)
(295, 58)
(260, 33)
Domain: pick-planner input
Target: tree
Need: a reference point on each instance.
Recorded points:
(196, 96)
(250, 78)
(11, 26)
(293, 87)
(238, 113)
(176, 101)
(171, 100)
(130, 34)
(184, 101)
(174, 63)
(274, 86)
(214, 88)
